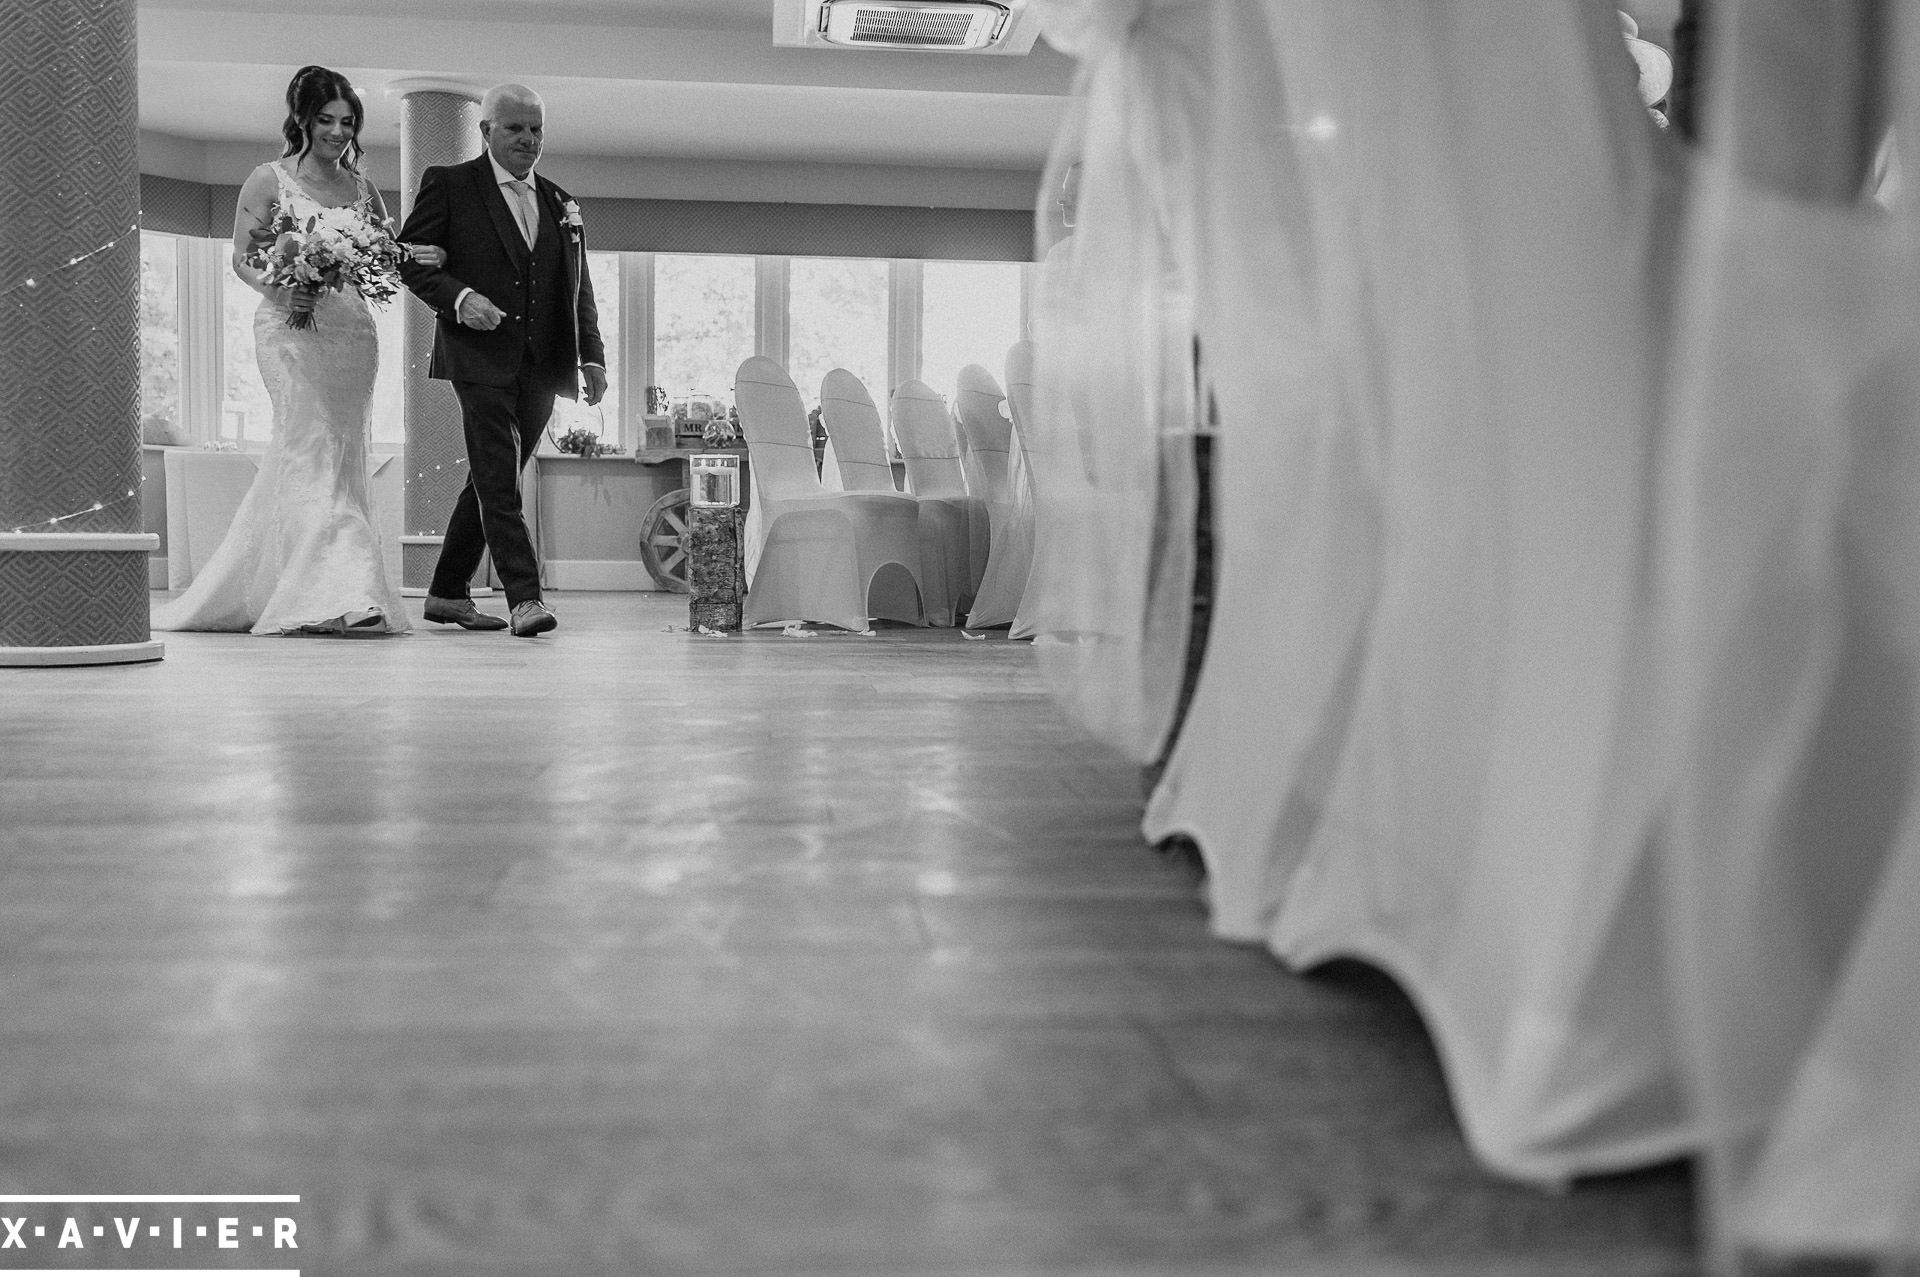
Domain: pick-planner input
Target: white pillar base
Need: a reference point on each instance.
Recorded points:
(105, 654)
(476, 588)
(76, 598)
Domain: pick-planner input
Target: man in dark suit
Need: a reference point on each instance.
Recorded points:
(517, 328)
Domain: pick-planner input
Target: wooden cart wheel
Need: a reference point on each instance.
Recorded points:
(663, 541)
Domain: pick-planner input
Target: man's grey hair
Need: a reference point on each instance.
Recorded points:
(501, 94)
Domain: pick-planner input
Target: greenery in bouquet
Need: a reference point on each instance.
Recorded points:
(330, 251)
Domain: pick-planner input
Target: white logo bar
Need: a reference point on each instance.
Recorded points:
(77, 1199)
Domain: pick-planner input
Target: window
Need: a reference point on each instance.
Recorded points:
(705, 311)
(603, 419)
(389, 385)
(837, 318)
(703, 317)
(246, 414)
(160, 367)
(970, 314)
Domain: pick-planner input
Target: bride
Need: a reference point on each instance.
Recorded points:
(303, 555)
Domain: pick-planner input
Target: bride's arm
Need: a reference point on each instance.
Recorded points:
(431, 254)
(251, 218)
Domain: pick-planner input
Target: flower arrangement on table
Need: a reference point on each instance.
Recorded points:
(722, 431)
(328, 252)
(585, 443)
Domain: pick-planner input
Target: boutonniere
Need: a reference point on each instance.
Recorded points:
(570, 214)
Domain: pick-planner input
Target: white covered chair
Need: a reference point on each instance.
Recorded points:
(838, 558)
(1794, 849)
(1071, 517)
(980, 408)
(953, 524)
(856, 439)
(1419, 736)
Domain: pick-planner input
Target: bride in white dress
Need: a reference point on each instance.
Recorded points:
(303, 555)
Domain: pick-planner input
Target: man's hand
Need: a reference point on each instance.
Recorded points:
(477, 312)
(596, 379)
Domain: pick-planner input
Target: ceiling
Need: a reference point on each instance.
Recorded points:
(654, 82)
(622, 79)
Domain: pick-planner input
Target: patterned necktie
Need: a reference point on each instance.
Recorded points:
(523, 208)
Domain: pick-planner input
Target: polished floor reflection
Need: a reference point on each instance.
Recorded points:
(629, 951)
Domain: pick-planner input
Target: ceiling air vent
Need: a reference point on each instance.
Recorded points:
(910, 24)
(942, 26)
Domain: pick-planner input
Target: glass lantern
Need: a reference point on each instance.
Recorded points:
(715, 480)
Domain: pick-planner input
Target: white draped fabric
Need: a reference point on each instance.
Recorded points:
(1790, 496)
(1483, 829)
(996, 463)
(1565, 652)
(1413, 737)
(1108, 593)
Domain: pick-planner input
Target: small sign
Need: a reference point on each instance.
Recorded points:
(715, 479)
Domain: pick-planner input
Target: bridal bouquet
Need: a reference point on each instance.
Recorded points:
(326, 253)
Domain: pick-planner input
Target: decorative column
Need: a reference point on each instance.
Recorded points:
(440, 125)
(716, 579)
(73, 558)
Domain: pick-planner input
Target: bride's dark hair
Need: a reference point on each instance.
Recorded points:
(307, 95)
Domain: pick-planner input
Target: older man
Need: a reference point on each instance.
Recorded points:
(517, 328)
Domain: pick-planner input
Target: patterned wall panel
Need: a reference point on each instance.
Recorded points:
(809, 230)
(69, 268)
(180, 208)
(438, 128)
(59, 598)
(417, 563)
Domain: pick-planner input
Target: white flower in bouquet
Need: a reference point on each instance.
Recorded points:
(329, 251)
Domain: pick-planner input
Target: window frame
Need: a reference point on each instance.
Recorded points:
(202, 264)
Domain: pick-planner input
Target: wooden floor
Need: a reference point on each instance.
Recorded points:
(630, 951)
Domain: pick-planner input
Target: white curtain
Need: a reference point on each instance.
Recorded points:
(1565, 656)
(1429, 314)
(1790, 497)
(1109, 590)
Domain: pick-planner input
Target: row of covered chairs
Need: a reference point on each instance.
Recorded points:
(841, 545)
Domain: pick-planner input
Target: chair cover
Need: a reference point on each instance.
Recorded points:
(1024, 458)
(1444, 485)
(948, 516)
(1588, 706)
(1109, 595)
(980, 409)
(836, 558)
(1296, 501)
(1485, 834)
(856, 439)
(1795, 850)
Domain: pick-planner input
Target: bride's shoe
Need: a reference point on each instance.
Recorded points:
(366, 623)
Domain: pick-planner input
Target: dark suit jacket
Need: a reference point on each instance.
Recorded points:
(459, 207)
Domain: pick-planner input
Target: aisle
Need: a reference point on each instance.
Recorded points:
(627, 951)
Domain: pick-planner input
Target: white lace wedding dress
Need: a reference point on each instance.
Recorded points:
(303, 554)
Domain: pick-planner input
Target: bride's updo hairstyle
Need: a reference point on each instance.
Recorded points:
(307, 95)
